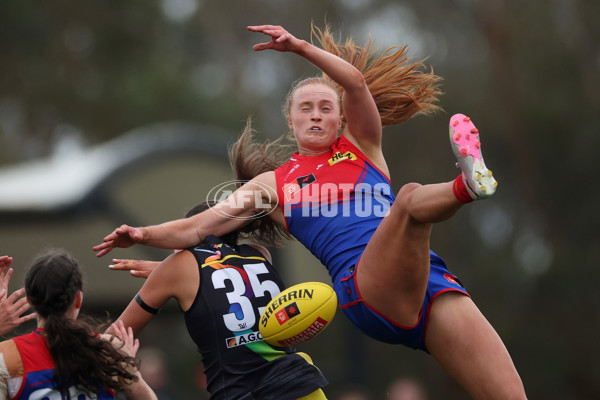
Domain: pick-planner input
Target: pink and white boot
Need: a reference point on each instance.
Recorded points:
(464, 138)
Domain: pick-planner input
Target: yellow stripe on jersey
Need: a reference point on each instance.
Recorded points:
(212, 263)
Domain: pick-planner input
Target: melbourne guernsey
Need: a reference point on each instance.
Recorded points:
(333, 203)
(27, 370)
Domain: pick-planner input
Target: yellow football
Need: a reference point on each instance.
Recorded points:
(298, 314)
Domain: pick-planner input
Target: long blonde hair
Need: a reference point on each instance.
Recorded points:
(400, 89)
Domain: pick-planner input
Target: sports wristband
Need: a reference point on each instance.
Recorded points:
(145, 306)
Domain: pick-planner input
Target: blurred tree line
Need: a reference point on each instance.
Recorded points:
(81, 73)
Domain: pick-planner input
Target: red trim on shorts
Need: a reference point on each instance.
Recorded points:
(361, 300)
(431, 303)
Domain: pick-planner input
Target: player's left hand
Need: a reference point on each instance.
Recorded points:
(130, 344)
(137, 268)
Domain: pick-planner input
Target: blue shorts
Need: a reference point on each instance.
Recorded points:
(378, 326)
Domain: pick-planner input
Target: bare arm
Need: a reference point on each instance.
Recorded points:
(177, 276)
(362, 117)
(229, 215)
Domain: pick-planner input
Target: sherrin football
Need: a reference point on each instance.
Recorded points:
(298, 314)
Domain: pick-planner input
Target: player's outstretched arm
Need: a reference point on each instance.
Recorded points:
(229, 215)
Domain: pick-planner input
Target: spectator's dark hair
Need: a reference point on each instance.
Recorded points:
(81, 357)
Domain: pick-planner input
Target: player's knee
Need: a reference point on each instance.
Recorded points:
(407, 189)
(404, 199)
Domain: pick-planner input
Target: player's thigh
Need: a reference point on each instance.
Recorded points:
(393, 271)
(468, 347)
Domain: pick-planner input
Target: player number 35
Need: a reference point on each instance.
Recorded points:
(244, 316)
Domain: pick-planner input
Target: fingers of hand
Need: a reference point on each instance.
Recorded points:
(16, 294)
(22, 305)
(135, 347)
(103, 248)
(119, 329)
(5, 261)
(262, 28)
(99, 246)
(261, 46)
(103, 252)
(120, 325)
(121, 265)
(273, 32)
(122, 229)
(112, 236)
(8, 275)
(28, 317)
(139, 274)
(14, 307)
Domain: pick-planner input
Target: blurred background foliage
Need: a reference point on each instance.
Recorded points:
(74, 75)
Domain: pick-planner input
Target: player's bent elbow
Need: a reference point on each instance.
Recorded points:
(356, 83)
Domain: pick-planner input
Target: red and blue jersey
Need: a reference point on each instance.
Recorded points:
(27, 371)
(333, 202)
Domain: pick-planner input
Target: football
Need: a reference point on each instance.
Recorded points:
(298, 314)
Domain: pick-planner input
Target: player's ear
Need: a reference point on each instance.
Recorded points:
(78, 299)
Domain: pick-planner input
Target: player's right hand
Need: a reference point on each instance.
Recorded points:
(124, 236)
